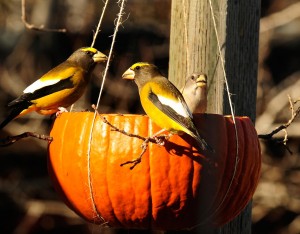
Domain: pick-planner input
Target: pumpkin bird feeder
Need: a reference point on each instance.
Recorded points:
(175, 186)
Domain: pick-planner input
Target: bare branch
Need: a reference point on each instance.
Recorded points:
(138, 159)
(33, 27)
(283, 127)
(156, 140)
(117, 129)
(12, 139)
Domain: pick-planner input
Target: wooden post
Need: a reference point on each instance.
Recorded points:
(193, 47)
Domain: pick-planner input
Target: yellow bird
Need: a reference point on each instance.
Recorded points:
(58, 88)
(195, 92)
(163, 102)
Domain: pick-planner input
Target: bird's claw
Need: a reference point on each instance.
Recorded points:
(161, 139)
(60, 111)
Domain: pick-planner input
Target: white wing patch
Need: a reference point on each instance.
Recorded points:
(176, 105)
(40, 84)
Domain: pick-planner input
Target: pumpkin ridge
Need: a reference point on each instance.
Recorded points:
(247, 168)
(224, 162)
(226, 192)
(67, 146)
(82, 149)
(63, 133)
(150, 158)
(150, 202)
(245, 183)
(142, 204)
(139, 175)
(53, 171)
(241, 170)
(84, 128)
(220, 192)
(99, 124)
(238, 180)
(252, 139)
(110, 189)
(158, 181)
(218, 200)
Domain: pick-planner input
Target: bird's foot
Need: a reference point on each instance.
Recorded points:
(60, 111)
(161, 139)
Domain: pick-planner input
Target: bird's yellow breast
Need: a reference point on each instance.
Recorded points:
(155, 114)
(62, 98)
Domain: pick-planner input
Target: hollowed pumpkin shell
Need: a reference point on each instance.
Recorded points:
(175, 186)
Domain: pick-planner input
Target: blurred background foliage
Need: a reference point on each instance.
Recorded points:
(28, 203)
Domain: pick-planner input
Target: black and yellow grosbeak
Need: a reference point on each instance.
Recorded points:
(59, 88)
(163, 102)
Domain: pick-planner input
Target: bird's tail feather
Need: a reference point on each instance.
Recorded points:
(15, 111)
(201, 142)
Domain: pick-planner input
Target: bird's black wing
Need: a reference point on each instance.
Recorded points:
(184, 121)
(24, 101)
(169, 111)
(42, 92)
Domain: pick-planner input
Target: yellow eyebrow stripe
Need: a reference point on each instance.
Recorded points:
(141, 64)
(91, 49)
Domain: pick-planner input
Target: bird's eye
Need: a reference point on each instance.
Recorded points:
(89, 53)
(137, 68)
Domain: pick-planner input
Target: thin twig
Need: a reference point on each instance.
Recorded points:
(138, 159)
(36, 28)
(123, 131)
(283, 127)
(156, 140)
(12, 139)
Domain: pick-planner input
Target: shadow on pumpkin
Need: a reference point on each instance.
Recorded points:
(203, 157)
(205, 164)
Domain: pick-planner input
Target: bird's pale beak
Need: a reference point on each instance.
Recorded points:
(99, 57)
(128, 74)
(201, 80)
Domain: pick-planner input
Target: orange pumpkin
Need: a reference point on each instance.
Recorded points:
(174, 187)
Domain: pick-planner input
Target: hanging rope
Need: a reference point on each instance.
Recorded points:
(99, 23)
(118, 23)
(230, 105)
(231, 110)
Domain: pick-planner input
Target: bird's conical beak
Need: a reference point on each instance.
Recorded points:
(128, 74)
(201, 80)
(99, 57)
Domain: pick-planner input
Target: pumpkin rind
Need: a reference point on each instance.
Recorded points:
(174, 187)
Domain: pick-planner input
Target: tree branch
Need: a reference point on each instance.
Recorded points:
(33, 27)
(12, 139)
(156, 140)
(283, 127)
